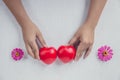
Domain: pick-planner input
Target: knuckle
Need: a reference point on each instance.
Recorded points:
(87, 42)
(30, 41)
(91, 42)
(42, 41)
(39, 33)
(35, 50)
(29, 52)
(76, 36)
(72, 41)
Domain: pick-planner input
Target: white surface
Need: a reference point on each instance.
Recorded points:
(58, 20)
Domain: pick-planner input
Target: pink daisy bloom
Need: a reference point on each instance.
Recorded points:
(105, 53)
(17, 54)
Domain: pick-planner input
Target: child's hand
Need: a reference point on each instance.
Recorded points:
(30, 34)
(83, 40)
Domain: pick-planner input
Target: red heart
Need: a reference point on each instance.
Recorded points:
(48, 55)
(66, 53)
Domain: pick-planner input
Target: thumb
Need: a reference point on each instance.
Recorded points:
(41, 39)
(72, 41)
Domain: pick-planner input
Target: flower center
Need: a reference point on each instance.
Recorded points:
(105, 53)
(17, 54)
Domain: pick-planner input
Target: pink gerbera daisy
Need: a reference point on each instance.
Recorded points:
(105, 53)
(17, 54)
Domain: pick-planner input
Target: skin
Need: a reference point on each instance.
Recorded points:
(84, 35)
(29, 29)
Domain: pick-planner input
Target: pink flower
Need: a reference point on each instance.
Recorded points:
(17, 54)
(105, 53)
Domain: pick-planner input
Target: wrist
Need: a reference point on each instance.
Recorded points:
(91, 24)
(24, 23)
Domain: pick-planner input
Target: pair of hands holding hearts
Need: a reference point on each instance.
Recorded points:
(65, 53)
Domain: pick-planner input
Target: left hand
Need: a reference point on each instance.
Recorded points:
(83, 40)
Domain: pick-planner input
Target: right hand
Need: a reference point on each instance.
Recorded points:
(30, 34)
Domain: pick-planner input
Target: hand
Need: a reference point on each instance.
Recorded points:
(83, 40)
(30, 34)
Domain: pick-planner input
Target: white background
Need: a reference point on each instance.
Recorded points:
(58, 20)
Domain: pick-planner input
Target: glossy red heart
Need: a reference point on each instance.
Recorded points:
(66, 53)
(48, 55)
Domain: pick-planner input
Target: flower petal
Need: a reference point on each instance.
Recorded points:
(105, 47)
(17, 50)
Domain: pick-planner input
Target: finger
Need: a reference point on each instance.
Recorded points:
(80, 50)
(88, 52)
(35, 49)
(41, 39)
(72, 41)
(29, 50)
